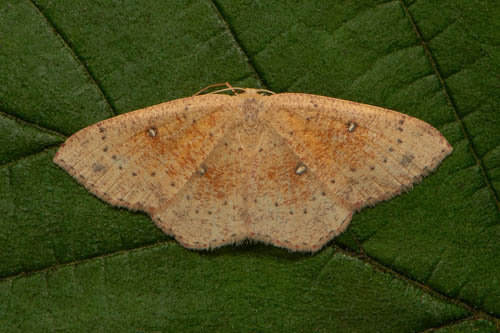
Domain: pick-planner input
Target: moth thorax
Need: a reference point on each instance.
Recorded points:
(250, 111)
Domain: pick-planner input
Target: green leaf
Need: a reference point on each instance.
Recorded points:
(467, 326)
(426, 259)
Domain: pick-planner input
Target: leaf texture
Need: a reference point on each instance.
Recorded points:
(427, 259)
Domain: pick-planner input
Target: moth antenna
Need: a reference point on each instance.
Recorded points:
(266, 91)
(229, 87)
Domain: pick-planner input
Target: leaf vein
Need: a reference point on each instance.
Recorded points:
(450, 102)
(77, 58)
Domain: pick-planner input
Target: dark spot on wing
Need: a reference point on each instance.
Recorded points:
(351, 126)
(406, 160)
(152, 131)
(97, 167)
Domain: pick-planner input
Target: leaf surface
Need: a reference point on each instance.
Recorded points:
(426, 259)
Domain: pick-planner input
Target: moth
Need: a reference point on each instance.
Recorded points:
(288, 169)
